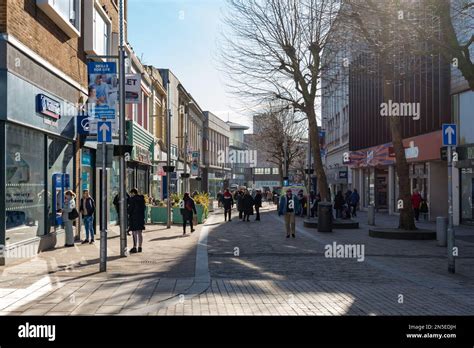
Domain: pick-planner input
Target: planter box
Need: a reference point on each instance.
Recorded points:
(177, 218)
(158, 215)
(200, 214)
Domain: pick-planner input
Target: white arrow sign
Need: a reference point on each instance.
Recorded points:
(449, 132)
(104, 129)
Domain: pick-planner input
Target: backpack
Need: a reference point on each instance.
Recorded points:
(189, 205)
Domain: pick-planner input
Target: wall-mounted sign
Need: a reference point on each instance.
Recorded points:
(142, 155)
(48, 106)
(133, 89)
(195, 163)
(343, 175)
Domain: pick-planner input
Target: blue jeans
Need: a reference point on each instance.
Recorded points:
(89, 226)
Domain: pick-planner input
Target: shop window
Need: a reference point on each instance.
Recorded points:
(25, 191)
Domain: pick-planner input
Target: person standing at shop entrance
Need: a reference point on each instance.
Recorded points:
(68, 215)
(87, 210)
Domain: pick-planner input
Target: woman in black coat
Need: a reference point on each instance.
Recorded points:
(136, 215)
(247, 205)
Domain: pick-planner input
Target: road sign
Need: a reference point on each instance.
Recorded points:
(449, 135)
(83, 125)
(104, 132)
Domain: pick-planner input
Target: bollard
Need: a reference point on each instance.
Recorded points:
(441, 230)
(371, 215)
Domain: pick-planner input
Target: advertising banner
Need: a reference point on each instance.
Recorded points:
(103, 89)
(133, 90)
(195, 163)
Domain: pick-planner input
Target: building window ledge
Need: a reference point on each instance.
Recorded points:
(47, 6)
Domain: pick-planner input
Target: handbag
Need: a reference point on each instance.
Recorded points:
(73, 214)
(423, 207)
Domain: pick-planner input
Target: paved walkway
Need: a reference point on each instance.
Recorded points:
(248, 268)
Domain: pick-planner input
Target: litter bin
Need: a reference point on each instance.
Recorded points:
(441, 230)
(324, 217)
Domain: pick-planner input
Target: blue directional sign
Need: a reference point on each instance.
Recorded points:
(104, 132)
(83, 125)
(449, 135)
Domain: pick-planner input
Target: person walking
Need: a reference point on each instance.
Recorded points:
(415, 202)
(258, 204)
(189, 207)
(287, 209)
(87, 210)
(247, 205)
(269, 197)
(354, 200)
(339, 202)
(227, 203)
(136, 213)
(219, 197)
(347, 197)
(67, 215)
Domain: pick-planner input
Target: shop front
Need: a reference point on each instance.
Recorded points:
(38, 156)
(139, 168)
(465, 167)
(374, 174)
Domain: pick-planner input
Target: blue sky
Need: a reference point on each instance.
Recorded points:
(182, 35)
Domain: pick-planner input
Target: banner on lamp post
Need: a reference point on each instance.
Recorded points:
(133, 89)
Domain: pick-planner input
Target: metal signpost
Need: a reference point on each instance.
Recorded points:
(450, 140)
(104, 136)
(101, 77)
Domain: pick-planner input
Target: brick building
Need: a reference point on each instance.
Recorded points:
(43, 85)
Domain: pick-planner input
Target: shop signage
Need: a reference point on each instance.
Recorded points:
(48, 106)
(142, 155)
(342, 175)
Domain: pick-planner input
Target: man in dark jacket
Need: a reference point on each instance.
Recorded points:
(247, 205)
(258, 204)
(228, 202)
(355, 198)
(136, 214)
(187, 210)
(87, 210)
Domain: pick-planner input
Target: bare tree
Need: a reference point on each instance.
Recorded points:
(272, 50)
(277, 130)
(389, 48)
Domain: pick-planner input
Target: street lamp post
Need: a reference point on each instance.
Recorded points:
(123, 207)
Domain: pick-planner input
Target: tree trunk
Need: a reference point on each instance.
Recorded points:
(316, 152)
(407, 217)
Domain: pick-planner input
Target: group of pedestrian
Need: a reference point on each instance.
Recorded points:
(346, 205)
(245, 204)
